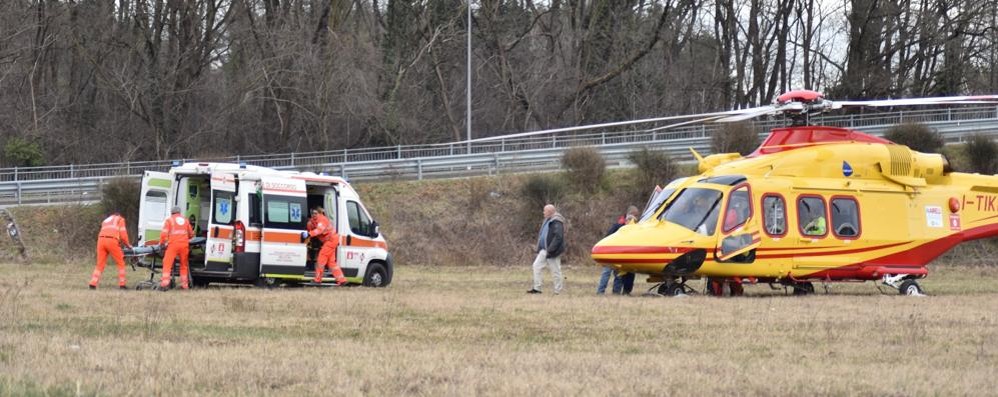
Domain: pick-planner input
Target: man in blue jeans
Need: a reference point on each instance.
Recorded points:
(621, 283)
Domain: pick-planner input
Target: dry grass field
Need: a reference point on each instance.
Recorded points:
(472, 330)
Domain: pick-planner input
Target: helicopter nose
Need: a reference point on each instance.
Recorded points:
(617, 254)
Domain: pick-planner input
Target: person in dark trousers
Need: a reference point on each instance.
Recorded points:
(619, 280)
(550, 246)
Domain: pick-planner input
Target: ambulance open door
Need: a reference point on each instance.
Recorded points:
(153, 206)
(283, 252)
(221, 222)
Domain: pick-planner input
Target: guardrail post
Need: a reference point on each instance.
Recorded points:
(344, 156)
(496, 159)
(419, 169)
(451, 149)
(128, 168)
(70, 170)
(343, 170)
(949, 114)
(502, 145)
(398, 152)
(554, 141)
(603, 138)
(15, 173)
(19, 193)
(292, 159)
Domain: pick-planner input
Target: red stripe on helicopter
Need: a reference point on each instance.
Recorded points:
(984, 219)
(625, 249)
(826, 253)
(911, 261)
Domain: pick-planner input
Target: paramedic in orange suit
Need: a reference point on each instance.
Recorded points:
(326, 233)
(176, 234)
(112, 235)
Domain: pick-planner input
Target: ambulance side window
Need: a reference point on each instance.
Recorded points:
(359, 222)
(283, 212)
(222, 208)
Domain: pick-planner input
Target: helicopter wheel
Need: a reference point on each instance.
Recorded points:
(672, 289)
(910, 288)
(804, 288)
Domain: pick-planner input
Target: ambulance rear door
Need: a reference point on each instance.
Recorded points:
(283, 252)
(153, 206)
(221, 221)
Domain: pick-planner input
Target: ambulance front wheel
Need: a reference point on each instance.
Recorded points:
(376, 275)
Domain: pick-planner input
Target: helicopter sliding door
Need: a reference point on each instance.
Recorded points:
(740, 235)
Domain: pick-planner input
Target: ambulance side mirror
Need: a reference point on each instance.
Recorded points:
(375, 229)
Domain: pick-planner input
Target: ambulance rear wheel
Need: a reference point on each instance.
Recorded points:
(376, 275)
(266, 282)
(910, 288)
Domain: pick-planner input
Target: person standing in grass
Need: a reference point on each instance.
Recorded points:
(550, 246)
(620, 281)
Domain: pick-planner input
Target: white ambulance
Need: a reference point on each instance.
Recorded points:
(252, 219)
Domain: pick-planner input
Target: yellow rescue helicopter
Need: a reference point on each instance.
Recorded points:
(811, 204)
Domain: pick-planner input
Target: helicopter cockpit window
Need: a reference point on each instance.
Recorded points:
(695, 209)
(845, 217)
(655, 202)
(739, 209)
(774, 214)
(811, 216)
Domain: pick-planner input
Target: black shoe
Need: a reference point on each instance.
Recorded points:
(122, 287)
(92, 286)
(533, 291)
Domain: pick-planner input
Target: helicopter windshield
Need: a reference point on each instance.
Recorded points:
(658, 198)
(655, 202)
(696, 209)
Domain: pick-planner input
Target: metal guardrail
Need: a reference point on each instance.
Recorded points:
(73, 183)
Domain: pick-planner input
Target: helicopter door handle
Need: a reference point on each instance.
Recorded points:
(806, 240)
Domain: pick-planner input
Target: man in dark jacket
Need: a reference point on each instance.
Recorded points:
(550, 246)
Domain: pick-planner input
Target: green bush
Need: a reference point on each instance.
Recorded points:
(915, 136)
(20, 152)
(585, 168)
(735, 138)
(123, 195)
(982, 154)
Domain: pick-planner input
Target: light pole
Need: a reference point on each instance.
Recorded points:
(468, 89)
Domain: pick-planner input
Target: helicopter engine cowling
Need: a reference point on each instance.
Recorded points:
(909, 167)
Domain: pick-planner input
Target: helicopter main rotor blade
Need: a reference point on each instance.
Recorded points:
(759, 111)
(703, 116)
(951, 100)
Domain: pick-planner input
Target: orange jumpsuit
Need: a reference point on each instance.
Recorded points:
(326, 233)
(177, 234)
(112, 234)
